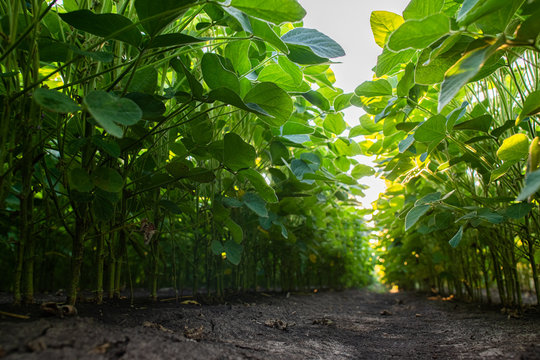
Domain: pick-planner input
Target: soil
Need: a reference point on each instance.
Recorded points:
(353, 324)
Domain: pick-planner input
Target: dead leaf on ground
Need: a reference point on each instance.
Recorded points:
(323, 321)
(279, 324)
(101, 349)
(194, 333)
(58, 309)
(386, 313)
(418, 315)
(37, 345)
(157, 326)
(190, 302)
(2, 352)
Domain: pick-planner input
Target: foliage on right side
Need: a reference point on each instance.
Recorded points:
(452, 117)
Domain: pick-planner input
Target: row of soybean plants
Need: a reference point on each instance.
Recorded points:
(186, 144)
(452, 116)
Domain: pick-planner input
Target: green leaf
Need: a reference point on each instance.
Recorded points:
(419, 9)
(155, 15)
(383, 23)
(454, 242)
(374, 88)
(152, 108)
(230, 97)
(531, 106)
(259, 183)
(278, 151)
(334, 123)
(473, 10)
(429, 199)
(458, 75)
(407, 81)
(388, 61)
(264, 31)
(108, 179)
(216, 75)
(419, 34)
(143, 81)
(532, 185)
(430, 70)
(107, 146)
(237, 154)
(272, 99)
(432, 130)
(319, 43)
(80, 180)
(303, 55)
(501, 170)
(173, 39)
(112, 26)
(55, 101)
(518, 211)
(362, 170)
(414, 215)
(275, 11)
(110, 111)
(236, 232)
(255, 204)
(286, 75)
(481, 123)
(406, 143)
(233, 251)
(514, 148)
(295, 128)
(317, 99)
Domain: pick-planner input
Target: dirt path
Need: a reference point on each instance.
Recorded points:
(333, 325)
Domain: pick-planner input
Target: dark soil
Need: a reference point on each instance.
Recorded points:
(354, 324)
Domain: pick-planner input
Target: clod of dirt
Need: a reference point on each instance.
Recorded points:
(37, 345)
(278, 324)
(58, 309)
(157, 326)
(399, 302)
(194, 333)
(418, 315)
(323, 321)
(386, 313)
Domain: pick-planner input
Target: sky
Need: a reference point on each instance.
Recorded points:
(347, 22)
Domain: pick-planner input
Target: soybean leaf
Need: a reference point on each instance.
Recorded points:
(174, 39)
(414, 215)
(379, 87)
(458, 75)
(454, 242)
(275, 11)
(110, 111)
(107, 179)
(514, 148)
(481, 123)
(55, 101)
(531, 106)
(532, 185)
(259, 183)
(112, 26)
(273, 100)
(264, 31)
(80, 180)
(155, 15)
(383, 23)
(419, 9)
(278, 151)
(432, 130)
(419, 34)
(233, 251)
(334, 123)
(517, 211)
(303, 55)
(319, 43)
(152, 108)
(362, 170)
(237, 154)
(472, 10)
(389, 60)
(237, 235)
(255, 204)
(216, 75)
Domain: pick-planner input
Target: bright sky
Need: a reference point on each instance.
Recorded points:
(347, 22)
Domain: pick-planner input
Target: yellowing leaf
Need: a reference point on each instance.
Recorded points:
(383, 23)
